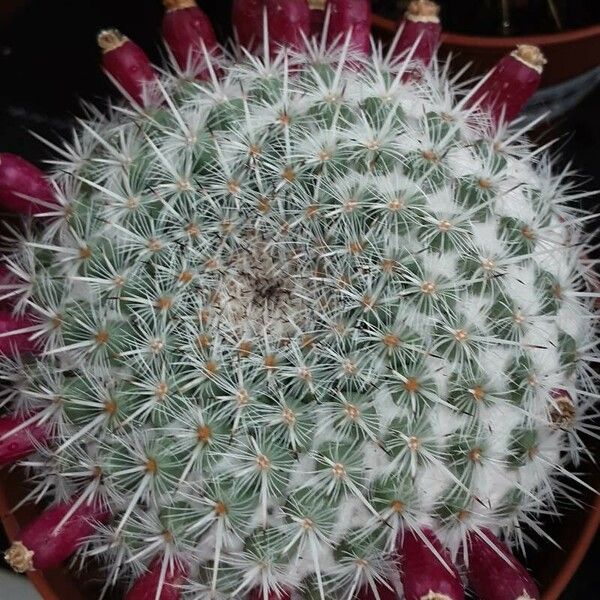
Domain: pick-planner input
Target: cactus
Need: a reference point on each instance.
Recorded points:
(302, 321)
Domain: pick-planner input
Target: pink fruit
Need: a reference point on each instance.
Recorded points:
(384, 593)
(185, 27)
(19, 341)
(257, 594)
(6, 275)
(350, 15)
(39, 545)
(494, 573)
(127, 64)
(317, 16)
(146, 586)
(420, 26)
(21, 442)
(511, 84)
(19, 178)
(423, 574)
(247, 18)
(289, 23)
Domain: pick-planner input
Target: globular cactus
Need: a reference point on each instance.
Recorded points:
(305, 321)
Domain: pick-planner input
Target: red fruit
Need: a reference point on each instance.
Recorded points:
(21, 443)
(257, 594)
(384, 593)
(510, 84)
(146, 586)
(247, 18)
(423, 573)
(289, 23)
(317, 16)
(127, 64)
(40, 546)
(8, 285)
(350, 15)
(497, 574)
(17, 342)
(20, 178)
(7, 277)
(184, 28)
(421, 22)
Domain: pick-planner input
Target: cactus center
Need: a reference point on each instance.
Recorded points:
(259, 289)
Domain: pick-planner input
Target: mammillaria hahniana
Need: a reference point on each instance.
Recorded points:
(300, 318)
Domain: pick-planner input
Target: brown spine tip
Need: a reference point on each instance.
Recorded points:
(317, 4)
(110, 39)
(178, 4)
(423, 11)
(532, 56)
(19, 557)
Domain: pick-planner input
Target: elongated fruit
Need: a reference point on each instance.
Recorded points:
(247, 19)
(421, 28)
(23, 187)
(185, 29)
(317, 16)
(425, 575)
(39, 545)
(289, 23)
(352, 16)
(15, 334)
(20, 443)
(384, 592)
(511, 84)
(494, 573)
(148, 584)
(128, 66)
(258, 594)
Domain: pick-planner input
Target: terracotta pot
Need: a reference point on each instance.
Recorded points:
(553, 568)
(570, 53)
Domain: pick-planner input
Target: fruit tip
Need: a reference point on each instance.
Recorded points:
(171, 5)
(110, 39)
(423, 11)
(530, 55)
(19, 557)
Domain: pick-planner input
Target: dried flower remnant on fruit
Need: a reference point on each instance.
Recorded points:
(19, 557)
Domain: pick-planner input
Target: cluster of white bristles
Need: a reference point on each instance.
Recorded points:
(297, 309)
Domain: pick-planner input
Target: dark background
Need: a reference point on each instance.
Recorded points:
(49, 60)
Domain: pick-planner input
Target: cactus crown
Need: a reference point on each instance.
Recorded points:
(293, 312)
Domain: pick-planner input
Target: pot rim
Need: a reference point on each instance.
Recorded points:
(577, 553)
(478, 41)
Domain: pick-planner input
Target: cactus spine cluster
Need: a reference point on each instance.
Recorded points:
(293, 312)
